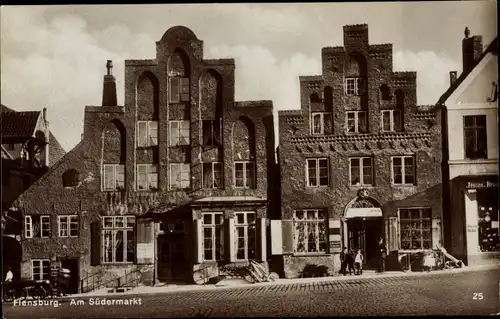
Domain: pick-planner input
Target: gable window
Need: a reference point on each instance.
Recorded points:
(147, 133)
(361, 169)
(317, 172)
(28, 227)
(403, 170)
(40, 269)
(118, 239)
(320, 122)
(180, 175)
(212, 132)
(147, 177)
(179, 133)
(44, 226)
(245, 235)
(353, 86)
(392, 121)
(179, 89)
(416, 228)
(475, 137)
(244, 174)
(113, 177)
(213, 236)
(310, 231)
(68, 225)
(356, 121)
(70, 178)
(212, 175)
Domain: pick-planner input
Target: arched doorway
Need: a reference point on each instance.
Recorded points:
(363, 226)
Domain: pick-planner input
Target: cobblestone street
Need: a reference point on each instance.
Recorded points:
(444, 294)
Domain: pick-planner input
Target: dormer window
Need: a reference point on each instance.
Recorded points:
(179, 89)
(353, 86)
(320, 122)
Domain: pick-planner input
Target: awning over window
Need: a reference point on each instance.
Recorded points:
(364, 212)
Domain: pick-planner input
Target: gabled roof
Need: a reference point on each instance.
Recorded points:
(56, 151)
(492, 48)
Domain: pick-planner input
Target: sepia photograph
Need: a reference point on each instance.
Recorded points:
(250, 160)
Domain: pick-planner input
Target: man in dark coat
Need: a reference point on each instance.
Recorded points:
(382, 252)
(347, 260)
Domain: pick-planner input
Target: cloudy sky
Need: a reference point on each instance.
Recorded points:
(55, 56)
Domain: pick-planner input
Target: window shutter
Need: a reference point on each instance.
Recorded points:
(260, 233)
(229, 240)
(198, 242)
(95, 245)
(335, 235)
(328, 125)
(436, 233)
(392, 236)
(287, 233)
(276, 237)
(145, 241)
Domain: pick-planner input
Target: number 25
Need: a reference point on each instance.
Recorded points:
(477, 296)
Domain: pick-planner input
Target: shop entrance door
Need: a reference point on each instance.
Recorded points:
(172, 261)
(364, 234)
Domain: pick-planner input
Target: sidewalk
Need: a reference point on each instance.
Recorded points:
(237, 283)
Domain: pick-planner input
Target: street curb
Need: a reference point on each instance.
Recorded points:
(281, 282)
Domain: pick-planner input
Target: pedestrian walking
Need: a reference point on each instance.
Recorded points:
(382, 252)
(358, 263)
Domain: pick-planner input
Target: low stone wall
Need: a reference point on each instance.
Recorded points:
(295, 264)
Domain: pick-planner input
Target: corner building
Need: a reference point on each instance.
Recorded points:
(166, 188)
(360, 160)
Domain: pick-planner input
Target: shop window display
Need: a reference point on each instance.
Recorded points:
(488, 214)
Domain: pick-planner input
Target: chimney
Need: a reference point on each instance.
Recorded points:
(472, 48)
(109, 87)
(453, 77)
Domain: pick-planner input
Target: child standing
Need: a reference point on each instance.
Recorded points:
(358, 263)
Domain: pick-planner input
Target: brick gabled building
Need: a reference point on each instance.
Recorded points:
(360, 160)
(168, 187)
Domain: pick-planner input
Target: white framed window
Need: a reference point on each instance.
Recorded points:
(40, 269)
(317, 172)
(180, 175)
(118, 239)
(147, 133)
(179, 89)
(353, 86)
(319, 122)
(44, 226)
(113, 177)
(244, 174)
(245, 236)
(361, 171)
(147, 177)
(179, 133)
(211, 132)
(416, 228)
(213, 236)
(310, 231)
(68, 225)
(28, 227)
(212, 175)
(391, 121)
(356, 121)
(403, 170)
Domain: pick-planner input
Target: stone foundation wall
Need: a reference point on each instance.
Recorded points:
(294, 265)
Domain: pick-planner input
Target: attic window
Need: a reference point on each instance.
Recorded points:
(71, 178)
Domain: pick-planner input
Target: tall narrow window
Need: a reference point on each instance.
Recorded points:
(118, 239)
(361, 171)
(147, 177)
(244, 174)
(113, 177)
(179, 89)
(310, 234)
(213, 236)
(44, 226)
(180, 175)
(147, 133)
(392, 121)
(245, 236)
(475, 137)
(28, 227)
(179, 133)
(317, 172)
(212, 175)
(356, 122)
(403, 170)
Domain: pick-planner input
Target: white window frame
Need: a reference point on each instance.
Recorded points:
(180, 123)
(28, 227)
(318, 177)
(125, 228)
(391, 114)
(421, 229)
(322, 122)
(254, 179)
(41, 274)
(42, 217)
(361, 171)
(151, 133)
(355, 82)
(151, 177)
(246, 227)
(215, 228)
(356, 121)
(68, 223)
(182, 167)
(180, 87)
(212, 175)
(403, 178)
(307, 222)
(115, 177)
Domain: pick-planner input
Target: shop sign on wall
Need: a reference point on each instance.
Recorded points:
(472, 228)
(488, 184)
(335, 246)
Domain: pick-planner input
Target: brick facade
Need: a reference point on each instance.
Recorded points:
(382, 89)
